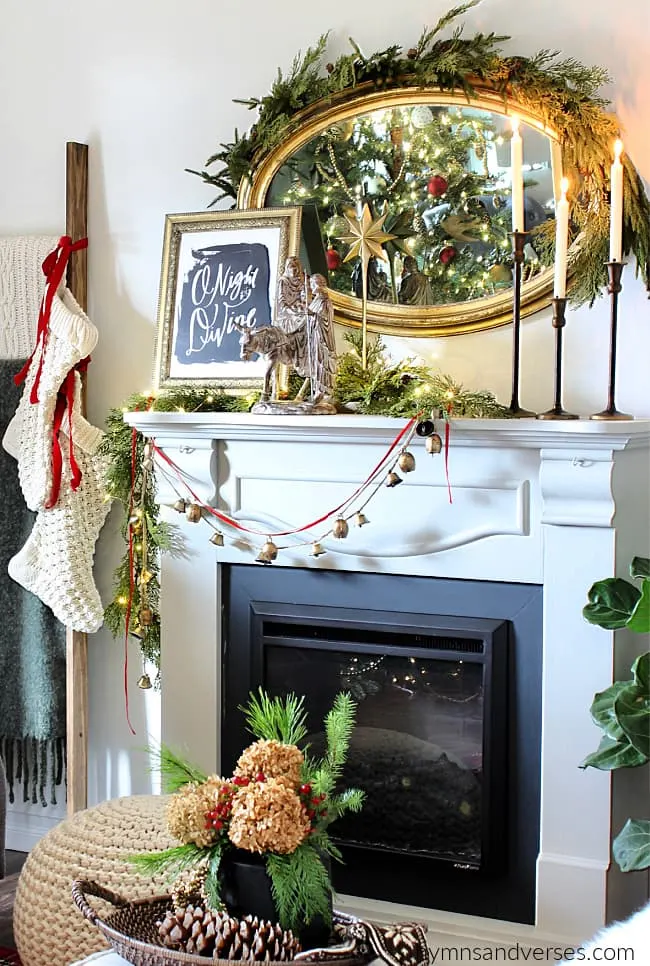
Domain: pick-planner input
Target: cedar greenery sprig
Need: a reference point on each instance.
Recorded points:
(560, 91)
(300, 886)
(117, 446)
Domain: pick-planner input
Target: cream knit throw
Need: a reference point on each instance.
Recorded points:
(22, 283)
(71, 337)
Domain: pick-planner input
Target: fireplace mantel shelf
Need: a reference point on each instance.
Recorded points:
(520, 433)
(550, 503)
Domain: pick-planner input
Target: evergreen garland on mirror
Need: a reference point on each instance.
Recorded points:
(561, 92)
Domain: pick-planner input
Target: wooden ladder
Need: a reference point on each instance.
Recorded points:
(76, 222)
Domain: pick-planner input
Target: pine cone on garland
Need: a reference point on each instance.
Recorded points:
(192, 930)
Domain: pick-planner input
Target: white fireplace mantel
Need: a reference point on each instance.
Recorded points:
(551, 503)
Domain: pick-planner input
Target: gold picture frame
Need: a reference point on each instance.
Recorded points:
(219, 269)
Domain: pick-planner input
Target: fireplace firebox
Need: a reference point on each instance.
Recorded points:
(447, 679)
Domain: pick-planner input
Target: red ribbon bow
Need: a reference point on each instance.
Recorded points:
(54, 267)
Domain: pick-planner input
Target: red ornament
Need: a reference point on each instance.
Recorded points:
(437, 185)
(448, 254)
(333, 259)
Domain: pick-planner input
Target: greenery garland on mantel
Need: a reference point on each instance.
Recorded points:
(561, 92)
(400, 389)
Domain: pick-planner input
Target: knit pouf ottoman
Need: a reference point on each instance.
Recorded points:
(93, 844)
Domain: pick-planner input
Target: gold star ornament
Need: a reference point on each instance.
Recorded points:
(365, 236)
(365, 239)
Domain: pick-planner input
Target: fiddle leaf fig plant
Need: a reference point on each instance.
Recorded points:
(622, 711)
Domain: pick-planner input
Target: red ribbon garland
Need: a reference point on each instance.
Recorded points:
(307, 526)
(447, 435)
(129, 603)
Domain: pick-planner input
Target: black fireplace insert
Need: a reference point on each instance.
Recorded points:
(447, 679)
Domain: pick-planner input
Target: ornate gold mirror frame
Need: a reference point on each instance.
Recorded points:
(395, 319)
(558, 97)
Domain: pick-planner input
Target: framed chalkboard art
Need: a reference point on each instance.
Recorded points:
(219, 270)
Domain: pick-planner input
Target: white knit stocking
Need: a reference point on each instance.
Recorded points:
(56, 562)
(71, 337)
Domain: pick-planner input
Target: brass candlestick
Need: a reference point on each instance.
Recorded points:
(614, 287)
(518, 242)
(559, 321)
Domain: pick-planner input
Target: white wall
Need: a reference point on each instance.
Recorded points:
(149, 84)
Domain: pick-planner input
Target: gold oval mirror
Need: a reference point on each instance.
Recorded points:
(438, 165)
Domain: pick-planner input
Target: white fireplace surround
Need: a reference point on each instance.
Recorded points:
(552, 503)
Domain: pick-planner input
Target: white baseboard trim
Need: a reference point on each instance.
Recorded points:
(27, 824)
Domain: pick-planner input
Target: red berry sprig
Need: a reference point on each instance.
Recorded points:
(313, 804)
(219, 816)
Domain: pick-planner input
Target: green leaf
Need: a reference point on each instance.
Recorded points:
(641, 671)
(602, 710)
(640, 567)
(640, 617)
(612, 754)
(632, 711)
(631, 847)
(611, 602)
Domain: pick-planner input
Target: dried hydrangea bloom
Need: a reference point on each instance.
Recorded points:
(273, 759)
(268, 817)
(187, 808)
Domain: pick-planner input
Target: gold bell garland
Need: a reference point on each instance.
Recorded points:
(383, 388)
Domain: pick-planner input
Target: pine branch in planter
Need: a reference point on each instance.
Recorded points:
(276, 719)
(174, 770)
(169, 862)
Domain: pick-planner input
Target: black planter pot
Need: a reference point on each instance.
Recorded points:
(246, 891)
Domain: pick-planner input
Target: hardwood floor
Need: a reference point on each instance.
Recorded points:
(8, 885)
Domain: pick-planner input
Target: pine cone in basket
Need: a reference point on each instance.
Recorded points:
(193, 930)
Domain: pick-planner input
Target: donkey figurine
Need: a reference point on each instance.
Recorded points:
(278, 348)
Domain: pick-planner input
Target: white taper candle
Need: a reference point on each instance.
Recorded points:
(561, 241)
(616, 205)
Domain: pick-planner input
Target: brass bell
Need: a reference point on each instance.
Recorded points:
(317, 550)
(406, 461)
(180, 506)
(217, 538)
(393, 479)
(361, 519)
(146, 617)
(433, 444)
(425, 427)
(193, 513)
(144, 682)
(268, 553)
(340, 529)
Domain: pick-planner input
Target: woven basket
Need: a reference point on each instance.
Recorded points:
(133, 933)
